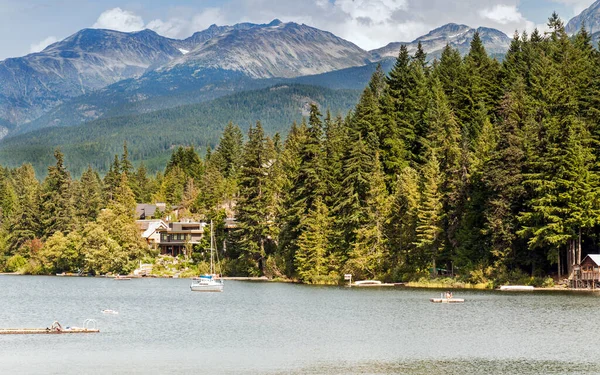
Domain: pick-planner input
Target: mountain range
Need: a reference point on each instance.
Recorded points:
(96, 73)
(103, 74)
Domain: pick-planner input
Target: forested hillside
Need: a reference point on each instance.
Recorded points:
(153, 136)
(468, 165)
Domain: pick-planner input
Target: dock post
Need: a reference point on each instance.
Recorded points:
(349, 278)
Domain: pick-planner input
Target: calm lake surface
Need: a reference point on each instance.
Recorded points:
(272, 328)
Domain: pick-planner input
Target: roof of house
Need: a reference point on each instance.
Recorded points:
(150, 226)
(148, 210)
(594, 257)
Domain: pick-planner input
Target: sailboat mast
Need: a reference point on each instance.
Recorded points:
(212, 270)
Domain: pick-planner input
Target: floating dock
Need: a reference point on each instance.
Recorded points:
(89, 326)
(447, 300)
(45, 331)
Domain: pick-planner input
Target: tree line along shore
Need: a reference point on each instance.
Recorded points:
(467, 167)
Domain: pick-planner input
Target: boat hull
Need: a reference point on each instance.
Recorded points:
(516, 288)
(206, 288)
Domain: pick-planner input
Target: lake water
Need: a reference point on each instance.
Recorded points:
(272, 328)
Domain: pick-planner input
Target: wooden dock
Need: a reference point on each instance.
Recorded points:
(44, 331)
(89, 326)
(355, 285)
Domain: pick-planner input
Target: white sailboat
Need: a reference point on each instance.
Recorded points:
(210, 282)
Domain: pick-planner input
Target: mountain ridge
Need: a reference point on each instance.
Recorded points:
(456, 35)
(284, 50)
(590, 17)
(93, 59)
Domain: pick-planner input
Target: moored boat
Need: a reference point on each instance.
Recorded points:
(207, 283)
(516, 288)
(447, 300)
(367, 282)
(211, 282)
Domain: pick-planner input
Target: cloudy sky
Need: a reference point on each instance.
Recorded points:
(30, 25)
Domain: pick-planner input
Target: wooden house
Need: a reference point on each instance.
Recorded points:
(587, 273)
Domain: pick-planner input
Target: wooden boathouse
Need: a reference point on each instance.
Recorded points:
(586, 275)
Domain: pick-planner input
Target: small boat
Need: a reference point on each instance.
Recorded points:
(367, 282)
(447, 300)
(207, 283)
(516, 288)
(211, 282)
(119, 277)
(109, 311)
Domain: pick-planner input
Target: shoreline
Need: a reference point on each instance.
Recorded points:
(407, 285)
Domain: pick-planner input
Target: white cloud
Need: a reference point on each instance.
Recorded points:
(375, 10)
(206, 18)
(577, 5)
(37, 47)
(503, 14)
(120, 20)
(368, 23)
(172, 28)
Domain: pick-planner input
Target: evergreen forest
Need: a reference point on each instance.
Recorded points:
(466, 167)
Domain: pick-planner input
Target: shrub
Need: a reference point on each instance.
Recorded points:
(15, 263)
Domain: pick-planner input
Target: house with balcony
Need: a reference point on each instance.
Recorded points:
(149, 230)
(178, 237)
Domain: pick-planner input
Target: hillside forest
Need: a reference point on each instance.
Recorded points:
(466, 166)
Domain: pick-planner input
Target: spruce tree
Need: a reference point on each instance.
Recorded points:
(429, 231)
(503, 177)
(349, 206)
(228, 154)
(112, 178)
(56, 208)
(252, 206)
(126, 165)
(25, 225)
(369, 251)
(311, 258)
(87, 197)
(309, 182)
(403, 221)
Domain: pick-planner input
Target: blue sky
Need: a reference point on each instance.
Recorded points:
(30, 25)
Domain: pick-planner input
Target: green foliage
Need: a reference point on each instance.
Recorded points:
(468, 166)
(15, 263)
(314, 260)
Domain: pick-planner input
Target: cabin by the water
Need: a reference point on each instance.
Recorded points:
(587, 274)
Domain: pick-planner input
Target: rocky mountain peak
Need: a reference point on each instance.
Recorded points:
(590, 17)
(273, 50)
(456, 35)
